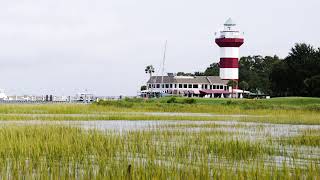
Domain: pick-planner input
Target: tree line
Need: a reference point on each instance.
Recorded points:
(296, 75)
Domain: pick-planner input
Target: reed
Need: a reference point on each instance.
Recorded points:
(309, 137)
(52, 152)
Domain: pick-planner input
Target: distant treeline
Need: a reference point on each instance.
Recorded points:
(296, 75)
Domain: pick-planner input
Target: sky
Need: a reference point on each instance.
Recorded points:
(64, 47)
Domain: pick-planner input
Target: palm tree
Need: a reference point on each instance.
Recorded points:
(149, 70)
(233, 84)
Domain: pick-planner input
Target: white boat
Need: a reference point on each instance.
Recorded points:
(3, 95)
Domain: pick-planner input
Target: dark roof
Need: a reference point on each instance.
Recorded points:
(187, 80)
(158, 79)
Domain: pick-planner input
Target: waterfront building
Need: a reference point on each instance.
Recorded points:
(191, 86)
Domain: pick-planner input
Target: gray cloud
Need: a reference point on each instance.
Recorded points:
(65, 46)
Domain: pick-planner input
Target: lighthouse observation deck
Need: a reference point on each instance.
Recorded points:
(230, 36)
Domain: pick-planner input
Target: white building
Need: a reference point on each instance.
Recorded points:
(192, 86)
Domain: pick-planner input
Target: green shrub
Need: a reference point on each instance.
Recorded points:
(229, 102)
(134, 100)
(189, 101)
(172, 100)
(115, 103)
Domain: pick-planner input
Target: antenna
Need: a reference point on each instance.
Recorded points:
(163, 63)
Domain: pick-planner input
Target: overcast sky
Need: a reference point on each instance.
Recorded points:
(66, 46)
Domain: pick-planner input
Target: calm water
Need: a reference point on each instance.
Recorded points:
(249, 129)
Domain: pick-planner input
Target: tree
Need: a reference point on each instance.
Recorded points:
(149, 70)
(313, 85)
(278, 79)
(232, 83)
(298, 73)
(244, 85)
(198, 73)
(212, 70)
(255, 70)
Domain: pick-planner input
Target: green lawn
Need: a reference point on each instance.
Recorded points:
(294, 110)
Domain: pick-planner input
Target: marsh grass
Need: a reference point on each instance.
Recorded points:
(171, 151)
(309, 137)
(44, 152)
(295, 118)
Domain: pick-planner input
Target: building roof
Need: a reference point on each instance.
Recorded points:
(187, 80)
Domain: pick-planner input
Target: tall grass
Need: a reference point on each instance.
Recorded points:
(299, 117)
(307, 138)
(53, 152)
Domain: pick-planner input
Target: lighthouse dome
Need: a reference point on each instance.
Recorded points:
(230, 22)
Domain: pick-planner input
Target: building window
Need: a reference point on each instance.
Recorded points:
(162, 85)
(180, 85)
(221, 86)
(202, 86)
(175, 85)
(225, 87)
(205, 86)
(167, 85)
(185, 86)
(210, 86)
(171, 85)
(214, 87)
(189, 85)
(158, 85)
(195, 86)
(149, 85)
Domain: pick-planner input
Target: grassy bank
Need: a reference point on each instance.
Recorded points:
(292, 118)
(277, 110)
(167, 104)
(199, 105)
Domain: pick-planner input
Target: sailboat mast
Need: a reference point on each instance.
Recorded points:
(163, 64)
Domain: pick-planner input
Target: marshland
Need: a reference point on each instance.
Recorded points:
(175, 138)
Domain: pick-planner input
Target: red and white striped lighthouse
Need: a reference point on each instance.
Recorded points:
(229, 40)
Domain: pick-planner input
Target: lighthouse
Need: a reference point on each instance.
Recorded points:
(229, 40)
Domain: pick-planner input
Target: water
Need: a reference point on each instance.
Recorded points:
(250, 129)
